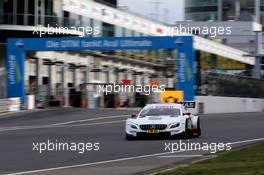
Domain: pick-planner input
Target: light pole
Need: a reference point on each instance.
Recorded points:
(157, 4)
(257, 28)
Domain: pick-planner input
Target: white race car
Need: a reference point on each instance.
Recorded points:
(163, 119)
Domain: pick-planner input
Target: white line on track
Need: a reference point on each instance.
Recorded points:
(59, 126)
(118, 160)
(90, 119)
(183, 156)
(66, 124)
(246, 141)
(93, 163)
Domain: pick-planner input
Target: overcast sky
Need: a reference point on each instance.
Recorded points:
(174, 8)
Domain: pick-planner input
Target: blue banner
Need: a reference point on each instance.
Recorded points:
(18, 47)
(15, 71)
(185, 72)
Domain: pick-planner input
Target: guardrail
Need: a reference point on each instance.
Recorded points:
(217, 104)
(10, 105)
(4, 105)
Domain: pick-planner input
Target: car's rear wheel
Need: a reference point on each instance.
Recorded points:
(197, 132)
(187, 133)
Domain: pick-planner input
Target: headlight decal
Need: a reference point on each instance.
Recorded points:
(175, 125)
(133, 126)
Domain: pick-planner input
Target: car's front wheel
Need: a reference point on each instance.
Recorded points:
(129, 137)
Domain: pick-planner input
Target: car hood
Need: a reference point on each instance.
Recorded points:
(155, 120)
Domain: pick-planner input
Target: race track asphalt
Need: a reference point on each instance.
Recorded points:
(116, 156)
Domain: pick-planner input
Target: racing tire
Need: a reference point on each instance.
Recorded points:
(197, 132)
(129, 137)
(187, 133)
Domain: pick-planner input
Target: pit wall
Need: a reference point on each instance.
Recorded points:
(215, 104)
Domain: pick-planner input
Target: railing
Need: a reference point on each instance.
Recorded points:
(10, 105)
(4, 105)
(217, 84)
(33, 20)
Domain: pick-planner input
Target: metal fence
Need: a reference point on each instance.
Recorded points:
(216, 84)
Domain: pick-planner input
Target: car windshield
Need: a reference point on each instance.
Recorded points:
(160, 111)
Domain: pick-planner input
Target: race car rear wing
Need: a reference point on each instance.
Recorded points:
(186, 104)
(189, 104)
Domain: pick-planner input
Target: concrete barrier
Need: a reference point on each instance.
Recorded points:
(4, 105)
(14, 104)
(30, 102)
(215, 104)
(9, 105)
